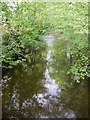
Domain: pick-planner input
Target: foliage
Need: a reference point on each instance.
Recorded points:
(24, 23)
(71, 20)
(22, 26)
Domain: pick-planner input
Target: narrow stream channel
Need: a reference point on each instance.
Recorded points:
(45, 91)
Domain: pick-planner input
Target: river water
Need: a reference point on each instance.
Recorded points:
(44, 90)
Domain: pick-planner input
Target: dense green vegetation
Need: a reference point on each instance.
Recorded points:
(72, 22)
(26, 22)
(22, 26)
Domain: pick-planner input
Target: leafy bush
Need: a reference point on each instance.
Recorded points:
(71, 20)
(22, 26)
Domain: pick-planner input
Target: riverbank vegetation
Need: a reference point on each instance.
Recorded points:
(22, 27)
(24, 23)
(72, 23)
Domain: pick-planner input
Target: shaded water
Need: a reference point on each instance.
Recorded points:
(44, 90)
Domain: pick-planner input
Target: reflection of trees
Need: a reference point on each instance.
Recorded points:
(73, 96)
(59, 68)
(23, 85)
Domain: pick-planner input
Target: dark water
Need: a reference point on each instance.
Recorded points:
(44, 90)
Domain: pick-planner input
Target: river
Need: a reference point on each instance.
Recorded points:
(44, 90)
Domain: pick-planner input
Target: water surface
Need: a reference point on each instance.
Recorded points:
(44, 90)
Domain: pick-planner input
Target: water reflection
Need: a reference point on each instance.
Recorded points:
(50, 85)
(15, 98)
(44, 90)
(28, 103)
